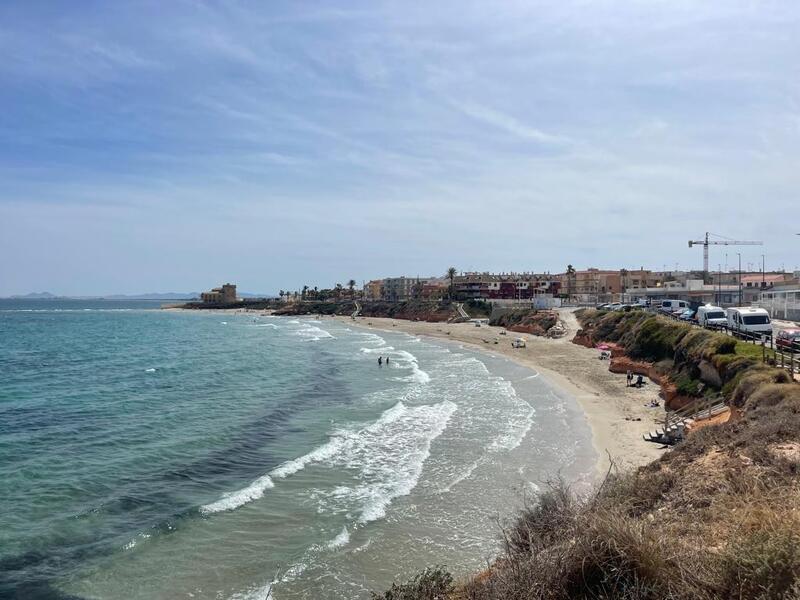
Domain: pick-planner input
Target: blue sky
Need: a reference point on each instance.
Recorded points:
(157, 146)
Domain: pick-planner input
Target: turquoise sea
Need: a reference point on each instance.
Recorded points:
(148, 454)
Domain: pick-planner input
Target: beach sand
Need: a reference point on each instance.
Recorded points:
(612, 409)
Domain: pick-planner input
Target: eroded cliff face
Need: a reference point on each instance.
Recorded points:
(687, 362)
(533, 322)
(433, 312)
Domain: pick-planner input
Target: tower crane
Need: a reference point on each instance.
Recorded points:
(724, 242)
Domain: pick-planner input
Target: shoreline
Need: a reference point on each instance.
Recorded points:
(617, 415)
(611, 409)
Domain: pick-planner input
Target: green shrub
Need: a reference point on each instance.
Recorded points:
(753, 378)
(432, 584)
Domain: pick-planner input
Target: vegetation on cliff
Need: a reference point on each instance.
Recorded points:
(699, 361)
(412, 310)
(535, 322)
(718, 516)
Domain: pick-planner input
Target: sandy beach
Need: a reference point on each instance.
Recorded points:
(617, 415)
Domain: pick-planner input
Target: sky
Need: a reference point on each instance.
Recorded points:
(173, 146)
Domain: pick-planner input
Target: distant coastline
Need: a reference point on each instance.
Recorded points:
(185, 296)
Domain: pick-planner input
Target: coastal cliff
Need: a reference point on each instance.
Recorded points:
(718, 516)
(411, 310)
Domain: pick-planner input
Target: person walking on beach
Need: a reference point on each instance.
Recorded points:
(387, 361)
(630, 378)
(380, 361)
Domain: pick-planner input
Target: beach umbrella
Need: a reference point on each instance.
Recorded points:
(603, 347)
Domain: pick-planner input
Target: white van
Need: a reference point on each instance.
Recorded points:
(749, 319)
(670, 306)
(711, 316)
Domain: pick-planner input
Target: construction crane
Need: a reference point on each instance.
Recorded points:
(723, 242)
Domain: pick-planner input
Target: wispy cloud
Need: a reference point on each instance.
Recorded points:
(508, 123)
(405, 128)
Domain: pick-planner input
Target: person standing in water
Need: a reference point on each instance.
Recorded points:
(380, 361)
(387, 361)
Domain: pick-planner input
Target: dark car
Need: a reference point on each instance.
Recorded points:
(788, 339)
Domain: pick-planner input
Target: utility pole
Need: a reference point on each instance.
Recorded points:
(740, 277)
(763, 273)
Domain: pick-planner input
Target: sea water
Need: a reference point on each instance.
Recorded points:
(154, 454)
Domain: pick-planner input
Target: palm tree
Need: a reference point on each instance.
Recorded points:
(351, 284)
(570, 281)
(339, 289)
(316, 293)
(451, 274)
(305, 292)
(281, 293)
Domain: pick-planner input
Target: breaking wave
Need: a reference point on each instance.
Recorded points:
(233, 500)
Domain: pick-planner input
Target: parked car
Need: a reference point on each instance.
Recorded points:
(688, 315)
(788, 339)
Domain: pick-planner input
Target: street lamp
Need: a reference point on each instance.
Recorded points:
(739, 254)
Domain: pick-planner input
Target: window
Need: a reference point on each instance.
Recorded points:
(756, 320)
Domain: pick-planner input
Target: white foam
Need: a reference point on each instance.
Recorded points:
(267, 325)
(223, 322)
(258, 593)
(372, 338)
(132, 544)
(389, 456)
(406, 359)
(313, 334)
(340, 540)
(321, 453)
(151, 370)
(377, 350)
(519, 423)
(402, 359)
(232, 500)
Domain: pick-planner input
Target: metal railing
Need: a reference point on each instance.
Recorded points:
(676, 421)
(779, 353)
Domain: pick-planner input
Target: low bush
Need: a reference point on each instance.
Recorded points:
(755, 377)
(763, 564)
(431, 584)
